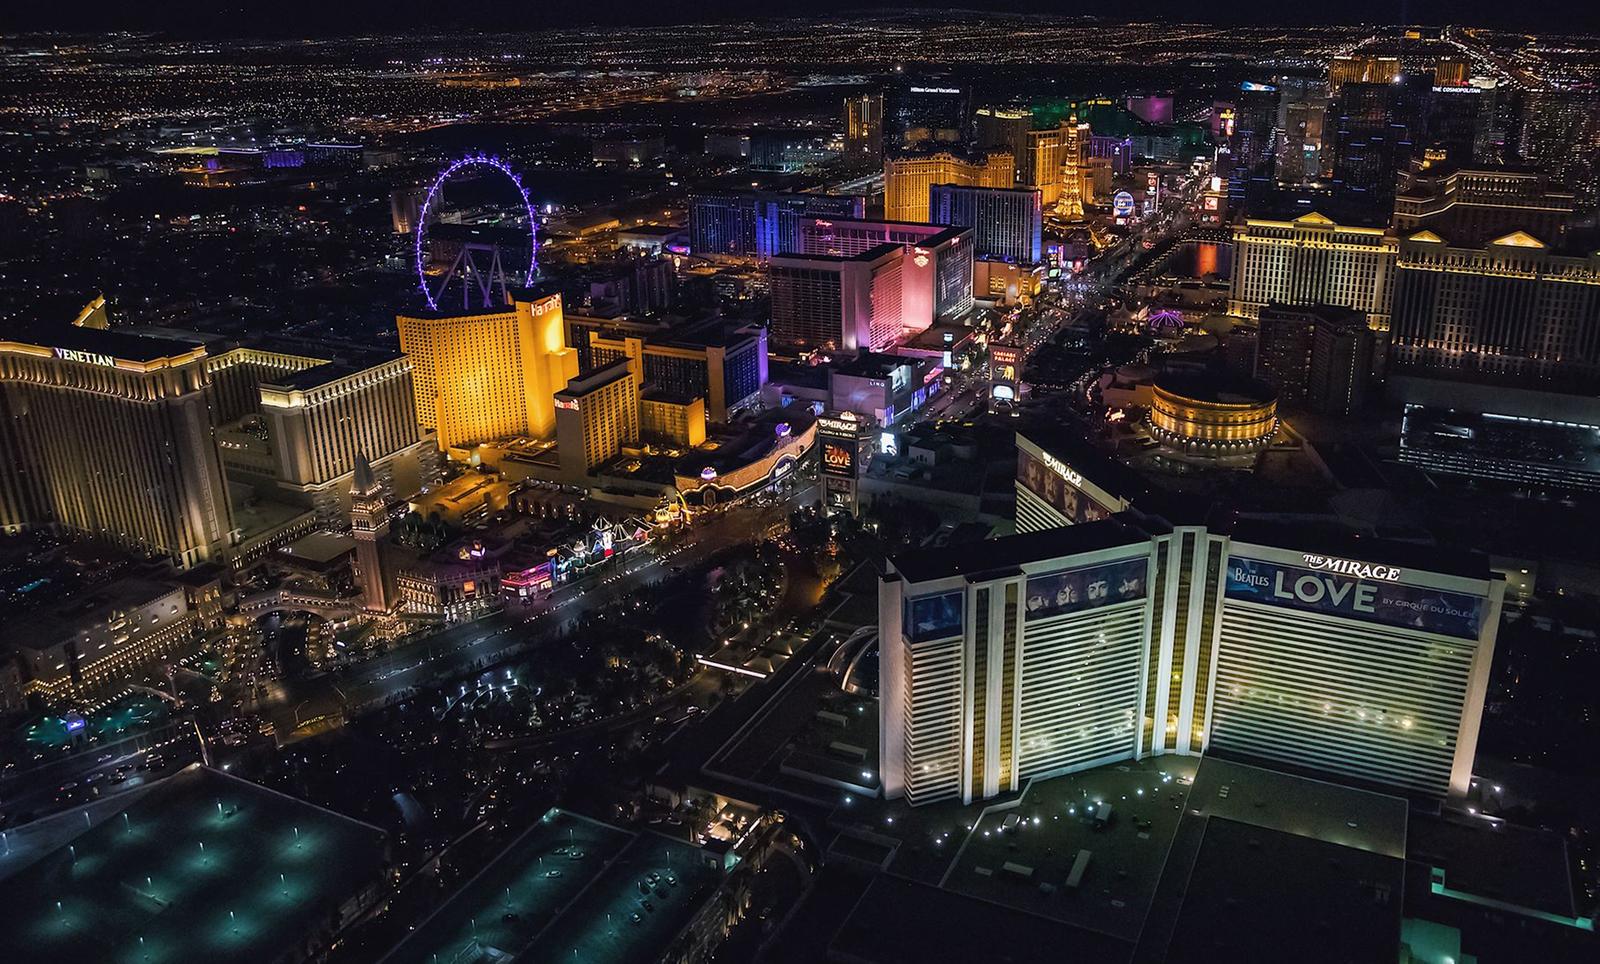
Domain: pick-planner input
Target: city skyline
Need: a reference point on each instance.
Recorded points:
(647, 484)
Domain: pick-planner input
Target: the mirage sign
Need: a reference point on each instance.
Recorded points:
(1375, 600)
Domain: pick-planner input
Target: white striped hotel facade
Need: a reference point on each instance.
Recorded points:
(1186, 669)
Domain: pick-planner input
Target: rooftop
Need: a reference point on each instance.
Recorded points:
(899, 920)
(597, 379)
(1216, 388)
(1339, 542)
(201, 866)
(976, 558)
(871, 254)
(1255, 893)
(124, 345)
(43, 628)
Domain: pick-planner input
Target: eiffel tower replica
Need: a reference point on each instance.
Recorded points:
(1069, 206)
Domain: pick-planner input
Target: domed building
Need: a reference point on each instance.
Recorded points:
(1213, 413)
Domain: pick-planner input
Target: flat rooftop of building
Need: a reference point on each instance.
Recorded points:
(651, 231)
(932, 338)
(331, 371)
(1257, 894)
(1216, 388)
(1343, 543)
(566, 890)
(320, 548)
(747, 442)
(870, 254)
(259, 517)
(597, 379)
(45, 627)
(899, 921)
(123, 344)
(873, 364)
(141, 887)
(1356, 824)
(935, 233)
(1009, 552)
(513, 899)
(1104, 471)
(798, 375)
(598, 927)
(1519, 865)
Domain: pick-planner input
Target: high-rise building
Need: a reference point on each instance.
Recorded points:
(1560, 132)
(1512, 311)
(108, 435)
(1285, 334)
(1470, 205)
(488, 375)
(1361, 69)
(759, 224)
(1454, 124)
(924, 111)
(1300, 146)
(1058, 650)
(850, 303)
(1000, 129)
(1452, 72)
(907, 178)
(938, 271)
(369, 523)
(322, 421)
(1074, 150)
(1040, 167)
(1253, 140)
(675, 419)
(1312, 260)
(1317, 356)
(1006, 223)
(723, 364)
(596, 415)
(1342, 359)
(863, 130)
(1371, 143)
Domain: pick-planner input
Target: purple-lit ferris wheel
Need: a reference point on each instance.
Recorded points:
(477, 265)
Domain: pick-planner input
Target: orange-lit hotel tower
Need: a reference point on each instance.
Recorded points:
(489, 375)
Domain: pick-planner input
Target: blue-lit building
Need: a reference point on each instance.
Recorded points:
(1007, 222)
(759, 224)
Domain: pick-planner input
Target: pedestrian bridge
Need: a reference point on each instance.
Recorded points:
(296, 601)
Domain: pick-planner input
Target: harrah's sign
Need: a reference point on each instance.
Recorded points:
(86, 357)
(1349, 567)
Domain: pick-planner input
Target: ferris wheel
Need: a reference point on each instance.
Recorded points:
(478, 267)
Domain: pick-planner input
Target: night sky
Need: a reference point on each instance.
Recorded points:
(312, 18)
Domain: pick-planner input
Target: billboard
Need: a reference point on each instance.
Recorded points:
(933, 617)
(839, 457)
(1058, 485)
(1122, 204)
(1374, 600)
(839, 438)
(1076, 590)
(1003, 361)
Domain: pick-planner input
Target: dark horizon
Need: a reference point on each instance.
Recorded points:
(312, 19)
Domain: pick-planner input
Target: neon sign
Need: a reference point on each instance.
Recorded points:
(87, 357)
(1062, 469)
(1349, 567)
(570, 404)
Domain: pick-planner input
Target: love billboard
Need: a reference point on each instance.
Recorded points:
(1373, 601)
